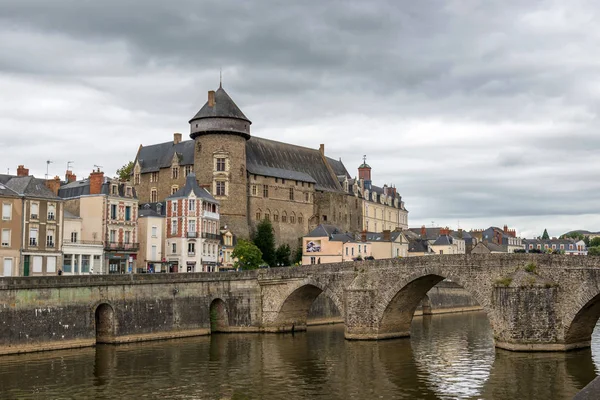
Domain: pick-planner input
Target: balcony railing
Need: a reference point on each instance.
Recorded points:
(192, 234)
(212, 236)
(33, 242)
(51, 217)
(49, 243)
(191, 253)
(120, 246)
(210, 214)
(34, 216)
(83, 242)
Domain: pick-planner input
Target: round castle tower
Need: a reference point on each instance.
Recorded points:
(220, 131)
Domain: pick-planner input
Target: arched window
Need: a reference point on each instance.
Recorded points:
(275, 216)
(283, 216)
(268, 215)
(292, 218)
(300, 218)
(258, 214)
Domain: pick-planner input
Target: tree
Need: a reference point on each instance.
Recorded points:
(124, 173)
(594, 251)
(545, 235)
(247, 255)
(297, 258)
(282, 255)
(595, 242)
(264, 239)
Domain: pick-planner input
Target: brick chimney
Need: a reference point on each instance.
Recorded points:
(211, 98)
(176, 138)
(22, 171)
(423, 232)
(322, 149)
(444, 231)
(70, 177)
(96, 181)
(53, 185)
(387, 236)
(363, 236)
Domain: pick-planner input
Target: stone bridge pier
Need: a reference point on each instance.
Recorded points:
(533, 303)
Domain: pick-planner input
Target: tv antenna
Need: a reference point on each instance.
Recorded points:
(69, 163)
(97, 167)
(48, 162)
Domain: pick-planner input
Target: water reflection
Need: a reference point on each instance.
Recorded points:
(448, 356)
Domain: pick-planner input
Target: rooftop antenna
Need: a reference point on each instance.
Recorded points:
(433, 224)
(97, 167)
(365, 159)
(69, 165)
(220, 78)
(48, 162)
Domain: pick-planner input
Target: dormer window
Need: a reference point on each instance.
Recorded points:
(128, 191)
(220, 165)
(175, 172)
(113, 190)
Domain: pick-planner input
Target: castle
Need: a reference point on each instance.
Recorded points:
(252, 178)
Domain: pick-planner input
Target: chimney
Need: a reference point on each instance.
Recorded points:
(385, 189)
(363, 236)
(505, 229)
(322, 149)
(96, 181)
(387, 236)
(211, 98)
(69, 177)
(444, 231)
(22, 171)
(423, 232)
(176, 138)
(53, 185)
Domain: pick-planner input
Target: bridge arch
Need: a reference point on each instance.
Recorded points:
(292, 312)
(399, 302)
(581, 318)
(219, 317)
(105, 323)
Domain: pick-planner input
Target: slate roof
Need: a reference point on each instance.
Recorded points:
(491, 247)
(152, 158)
(324, 230)
(157, 209)
(378, 237)
(191, 185)
(549, 241)
(30, 186)
(7, 192)
(443, 240)
(224, 107)
(418, 246)
(338, 167)
(265, 153)
(430, 233)
(82, 188)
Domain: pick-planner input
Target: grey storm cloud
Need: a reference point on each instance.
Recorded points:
(483, 112)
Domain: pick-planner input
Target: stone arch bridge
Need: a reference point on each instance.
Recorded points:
(533, 302)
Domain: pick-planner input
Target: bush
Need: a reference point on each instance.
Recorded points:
(504, 282)
(531, 268)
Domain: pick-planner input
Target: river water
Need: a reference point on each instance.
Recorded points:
(447, 357)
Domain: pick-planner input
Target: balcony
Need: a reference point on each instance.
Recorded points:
(49, 243)
(51, 217)
(82, 242)
(192, 234)
(211, 236)
(33, 242)
(120, 246)
(34, 216)
(191, 253)
(210, 214)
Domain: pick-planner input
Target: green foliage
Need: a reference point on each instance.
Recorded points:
(586, 240)
(247, 255)
(124, 173)
(573, 235)
(264, 239)
(531, 268)
(545, 235)
(282, 255)
(297, 258)
(504, 282)
(594, 251)
(595, 242)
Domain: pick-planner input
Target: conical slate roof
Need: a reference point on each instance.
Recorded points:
(224, 107)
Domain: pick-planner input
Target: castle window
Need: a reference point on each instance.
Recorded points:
(267, 217)
(154, 177)
(175, 172)
(276, 180)
(302, 184)
(283, 217)
(275, 217)
(306, 197)
(293, 218)
(220, 188)
(258, 216)
(291, 193)
(220, 164)
(265, 191)
(324, 218)
(254, 190)
(136, 178)
(153, 196)
(188, 169)
(282, 180)
(174, 189)
(299, 219)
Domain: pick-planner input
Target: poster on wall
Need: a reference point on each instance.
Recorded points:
(313, 246)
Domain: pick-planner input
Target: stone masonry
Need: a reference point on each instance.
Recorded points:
(533, 302)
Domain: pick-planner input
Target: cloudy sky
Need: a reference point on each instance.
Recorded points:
(480, 112)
